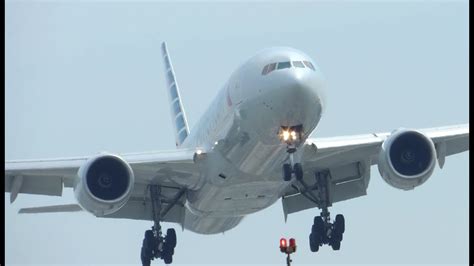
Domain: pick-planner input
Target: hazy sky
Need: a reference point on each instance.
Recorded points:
(83, 77)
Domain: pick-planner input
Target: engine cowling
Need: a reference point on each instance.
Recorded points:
(407, 159)
(104, 184)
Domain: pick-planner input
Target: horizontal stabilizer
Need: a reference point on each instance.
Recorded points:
(55, 208)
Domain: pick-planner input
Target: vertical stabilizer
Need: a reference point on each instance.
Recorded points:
(178, 116)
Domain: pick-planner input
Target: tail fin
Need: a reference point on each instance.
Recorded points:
(178, 116)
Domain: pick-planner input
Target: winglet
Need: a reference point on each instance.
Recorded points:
(178, 116)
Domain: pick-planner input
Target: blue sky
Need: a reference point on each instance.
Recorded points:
(83, 77)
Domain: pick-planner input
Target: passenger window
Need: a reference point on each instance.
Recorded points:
(308, 64)
(298, 64)
(283, 65)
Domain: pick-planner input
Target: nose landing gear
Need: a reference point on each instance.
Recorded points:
(292, 137)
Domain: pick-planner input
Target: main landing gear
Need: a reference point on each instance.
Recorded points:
(155, 245)
(323, 231)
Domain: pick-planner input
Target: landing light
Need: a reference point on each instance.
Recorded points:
(293, 135)
(287, 135)
(198, 152)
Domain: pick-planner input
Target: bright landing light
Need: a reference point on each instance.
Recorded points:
(287, 135)
(293, 135)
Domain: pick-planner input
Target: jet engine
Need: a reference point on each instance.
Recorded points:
(104, 184)
(407, 159)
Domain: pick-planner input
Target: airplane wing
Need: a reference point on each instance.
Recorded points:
(348, 160)
(49, 176)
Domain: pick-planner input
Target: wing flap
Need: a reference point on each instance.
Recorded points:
(33, 184)
(52, 209)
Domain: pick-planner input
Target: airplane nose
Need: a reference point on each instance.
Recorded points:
(284, 98)
(295, 88)
(293, 97)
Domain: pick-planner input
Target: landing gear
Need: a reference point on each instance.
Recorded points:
(155, 245)
(323, 231)
(292, 136)
(292, 168)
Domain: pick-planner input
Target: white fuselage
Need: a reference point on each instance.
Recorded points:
(239, 134)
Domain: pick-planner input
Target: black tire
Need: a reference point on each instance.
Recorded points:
(318, 230)
(149, 239)
(148, 244)
(339, 224)
(146, 260)
(287, 172)
(336, 244)
(171, 238)
(313, 245)
(167, 254)
(298, 169)
(318, 223)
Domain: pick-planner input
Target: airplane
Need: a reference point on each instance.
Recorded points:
(251, 148)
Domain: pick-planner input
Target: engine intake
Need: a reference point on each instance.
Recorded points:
(407, 159)
(108, 178)
(104, 185)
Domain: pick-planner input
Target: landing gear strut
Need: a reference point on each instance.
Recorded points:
(155, 245)
(323, 231)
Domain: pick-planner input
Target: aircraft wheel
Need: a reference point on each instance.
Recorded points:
(317, 230)
(167, 254)
(171, 237)
(147, 248)
(298, 171)
(287, 172)
(336, 244)
(313, 245)
(146, 260)
(339, 224)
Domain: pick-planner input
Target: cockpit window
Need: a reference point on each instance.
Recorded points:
(287, 64)
(298, 64)
(271, 67)
(308, 64)
(268, 68)
(283, 65)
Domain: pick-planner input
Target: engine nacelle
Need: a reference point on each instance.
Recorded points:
(104, 184)
(407, 159)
